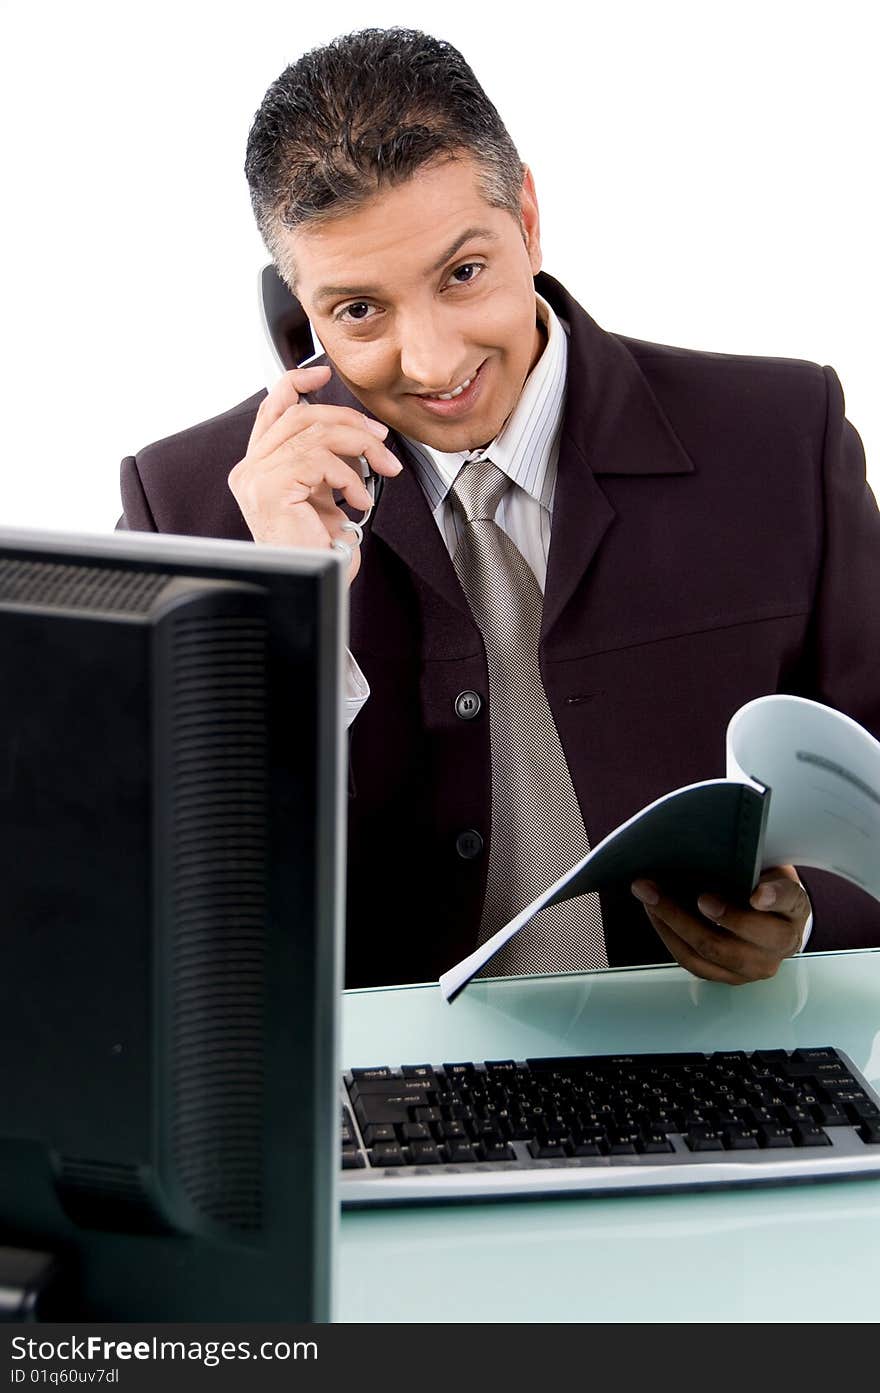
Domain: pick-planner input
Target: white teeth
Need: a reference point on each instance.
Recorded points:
(447, 396)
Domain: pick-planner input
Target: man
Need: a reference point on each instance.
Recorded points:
(699, 525)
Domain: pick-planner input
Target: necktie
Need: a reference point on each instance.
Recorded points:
(537, 829)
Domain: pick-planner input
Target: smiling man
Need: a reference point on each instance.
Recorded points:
(588, 552)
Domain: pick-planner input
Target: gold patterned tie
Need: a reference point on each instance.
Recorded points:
(537, 829)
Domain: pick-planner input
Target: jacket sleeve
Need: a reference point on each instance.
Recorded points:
(136, 513)
(844, 647)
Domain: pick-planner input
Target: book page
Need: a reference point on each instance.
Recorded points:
(823, 770)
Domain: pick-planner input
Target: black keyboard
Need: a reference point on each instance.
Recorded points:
(604, 1123)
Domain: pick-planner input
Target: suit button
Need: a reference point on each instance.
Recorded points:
(468, 844)
(467, 705)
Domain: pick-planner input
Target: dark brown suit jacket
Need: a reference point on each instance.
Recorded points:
(713, 539)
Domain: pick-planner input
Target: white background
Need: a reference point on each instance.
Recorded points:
(706, 173)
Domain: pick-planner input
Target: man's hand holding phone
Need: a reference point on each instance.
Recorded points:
(296, 459)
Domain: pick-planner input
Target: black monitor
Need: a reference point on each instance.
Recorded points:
(171, 843)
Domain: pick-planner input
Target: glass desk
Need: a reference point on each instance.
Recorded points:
(806, 1252)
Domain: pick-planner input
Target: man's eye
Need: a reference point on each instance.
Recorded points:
(475, 266)
(354, 310)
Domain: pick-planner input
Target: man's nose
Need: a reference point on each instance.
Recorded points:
(432, 358)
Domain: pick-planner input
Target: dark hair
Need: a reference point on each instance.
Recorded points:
(365, 111)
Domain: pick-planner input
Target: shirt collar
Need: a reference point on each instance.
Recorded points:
(524, 447)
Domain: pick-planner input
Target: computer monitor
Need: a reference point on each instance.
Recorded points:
(171, 844)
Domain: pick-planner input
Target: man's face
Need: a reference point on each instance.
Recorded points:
(419, 290)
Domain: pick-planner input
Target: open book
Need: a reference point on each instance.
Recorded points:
(802, 788)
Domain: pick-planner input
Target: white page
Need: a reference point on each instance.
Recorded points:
(823, 771)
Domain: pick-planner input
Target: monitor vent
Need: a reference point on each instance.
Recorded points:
(219, 797)
(51, 586)
(107, 1195)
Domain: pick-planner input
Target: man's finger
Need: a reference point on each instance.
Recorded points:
(687, 958)
(776, 922)
(284, 393)
(740, 957)
(312, 477)
(303, 416)
(780, 894)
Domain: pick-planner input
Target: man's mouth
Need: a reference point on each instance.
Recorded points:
(458, 400)
(447, 396)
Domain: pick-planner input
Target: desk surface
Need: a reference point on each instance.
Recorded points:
(806, 1252)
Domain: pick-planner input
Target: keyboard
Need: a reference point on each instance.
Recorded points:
(603, 1124)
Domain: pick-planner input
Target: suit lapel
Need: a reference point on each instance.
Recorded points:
(405, 523)
(581, 517)
(612, 424)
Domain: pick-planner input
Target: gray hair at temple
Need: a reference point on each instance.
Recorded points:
(364, 112)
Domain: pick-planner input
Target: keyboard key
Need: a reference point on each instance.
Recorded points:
(800, 1069)
(665, 1121)
(870, 1131)
(380, 1072)
(520, 1129)
(375, 1109)
(704, 1140)
(487, 1134)
(810, 1135)
(501, 1068)
(741, 1138)
(584, 1147)
(415, 1131)
(381, 1132)
(547, 1150)
(791, 1117)
(623, 1143)
(653, 1143)
(828, 1115)
(387, 1154)
(418, 1071)
(423, 1153)
(775, 1136)
(497, 1151)
(452, 1131)
(386, 1088)
(863, 1110)
(352, 1159)
(458, 1151)
(693, 1121)
(553, 1127)
(459, 1071)
(427, 1115)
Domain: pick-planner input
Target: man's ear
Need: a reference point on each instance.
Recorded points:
(530, 219)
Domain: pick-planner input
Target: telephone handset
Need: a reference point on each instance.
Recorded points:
(279, 313)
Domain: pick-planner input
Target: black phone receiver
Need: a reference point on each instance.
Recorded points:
(287, 331)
